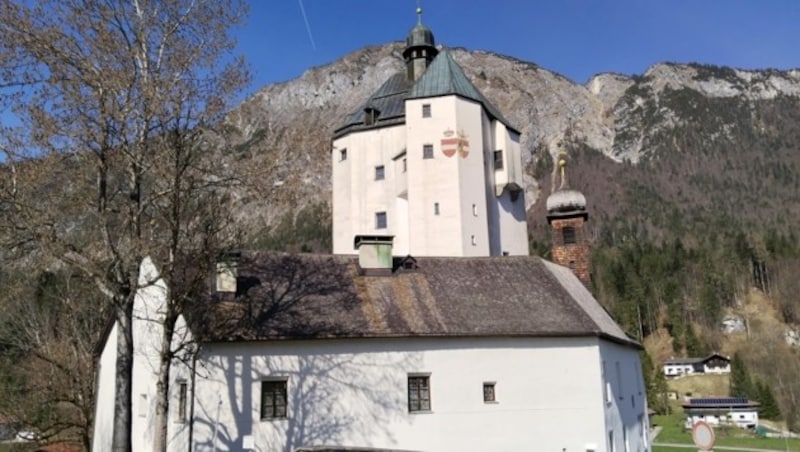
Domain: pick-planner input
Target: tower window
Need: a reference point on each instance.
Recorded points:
(436, 208)
(474, 242)
(427, 151)
(488, 392)
(498, 160)
(380, 172)
(343, 155)
(426, 110)
(474, 210)
(405, 165)
(380, 220)
(568, 234)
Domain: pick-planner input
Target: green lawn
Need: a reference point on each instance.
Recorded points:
(673, 432)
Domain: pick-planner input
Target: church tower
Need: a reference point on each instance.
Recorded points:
(567, 215)
(428, 160)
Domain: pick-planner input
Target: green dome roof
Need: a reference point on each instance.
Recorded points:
(420, 35)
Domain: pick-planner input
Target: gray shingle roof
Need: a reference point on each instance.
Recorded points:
(284, 296)
(443, 77)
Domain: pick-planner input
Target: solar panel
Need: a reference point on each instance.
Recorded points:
(719, 401)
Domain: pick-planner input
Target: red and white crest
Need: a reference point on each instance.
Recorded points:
(451, 144)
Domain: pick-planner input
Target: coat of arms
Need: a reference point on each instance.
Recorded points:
(452, 144)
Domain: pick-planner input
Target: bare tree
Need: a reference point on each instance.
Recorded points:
(47, 335)
(111, 163)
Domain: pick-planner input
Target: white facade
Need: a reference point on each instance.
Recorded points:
(743, 419)
(457, 205)
(549, 396)
(676, 370)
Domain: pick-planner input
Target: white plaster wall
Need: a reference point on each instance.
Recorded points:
(104, 399)
(354, 393)
(626, 402)
(357, 196)
(433, 181)
(472, 181)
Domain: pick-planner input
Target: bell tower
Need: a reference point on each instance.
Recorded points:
(567, 215)
(420, 49)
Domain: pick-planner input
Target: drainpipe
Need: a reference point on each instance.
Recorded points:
(191, 407)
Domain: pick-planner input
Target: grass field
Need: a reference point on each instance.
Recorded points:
(673, 432)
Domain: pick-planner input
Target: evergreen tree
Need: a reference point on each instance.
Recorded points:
(741, 384)
(769, 406)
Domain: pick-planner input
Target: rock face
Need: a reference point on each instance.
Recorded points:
(674, 117)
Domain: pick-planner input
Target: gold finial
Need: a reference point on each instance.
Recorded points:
(562, 164)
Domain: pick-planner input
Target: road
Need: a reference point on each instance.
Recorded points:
(745, 449)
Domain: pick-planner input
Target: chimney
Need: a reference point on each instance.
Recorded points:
(227, 272)
(374, 254)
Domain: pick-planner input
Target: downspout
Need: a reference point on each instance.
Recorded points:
(191, 406)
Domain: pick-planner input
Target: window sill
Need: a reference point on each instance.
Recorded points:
(273, 419)
(421, 412)
(491, 402)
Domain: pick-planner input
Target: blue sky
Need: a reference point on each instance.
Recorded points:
(576, 38)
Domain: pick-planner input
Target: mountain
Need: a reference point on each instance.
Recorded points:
(680, 146)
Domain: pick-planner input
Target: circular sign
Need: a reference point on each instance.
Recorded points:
(703, 435)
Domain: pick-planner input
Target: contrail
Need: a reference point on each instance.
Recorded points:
(308, 27)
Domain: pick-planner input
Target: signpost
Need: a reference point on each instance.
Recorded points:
(703, 436)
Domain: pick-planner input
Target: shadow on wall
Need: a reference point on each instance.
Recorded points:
(337, 394)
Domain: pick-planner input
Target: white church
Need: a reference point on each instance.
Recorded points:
(429, 328)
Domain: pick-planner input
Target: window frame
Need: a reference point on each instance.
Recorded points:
(381, 220)
(282, 386)
(426, 111)
(418, 406)
(343, 154)
(427, 151)
(380, 172)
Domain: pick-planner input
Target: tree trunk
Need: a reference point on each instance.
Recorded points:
(162, 386)
(123, 380)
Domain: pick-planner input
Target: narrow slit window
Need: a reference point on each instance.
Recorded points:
(380, 172)
(343, 155)
(436, 208)
(182, 398)
(426, 110)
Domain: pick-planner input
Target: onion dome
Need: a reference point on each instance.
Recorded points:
(565, 199)
(420, 35)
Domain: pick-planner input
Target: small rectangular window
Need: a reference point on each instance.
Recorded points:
(380, 220)
(474, 241)
(182, 394)
(427, 151)
(436, 208)
(474, 210)
(419, 393)
(343, 155)
(405, 165)
(498, 160)
(568, 234)
(380, 172)
(488, 392)
(273, 399)
(426, 110)
(143, 405)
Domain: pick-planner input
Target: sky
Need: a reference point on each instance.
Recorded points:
(575, 38)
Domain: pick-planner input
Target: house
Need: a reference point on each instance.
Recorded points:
(711, 364)
(736, 411)
(428, 329)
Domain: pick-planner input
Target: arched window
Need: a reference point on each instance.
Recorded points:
(568, 234)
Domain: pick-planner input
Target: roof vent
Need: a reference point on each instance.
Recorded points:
(374, 254)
